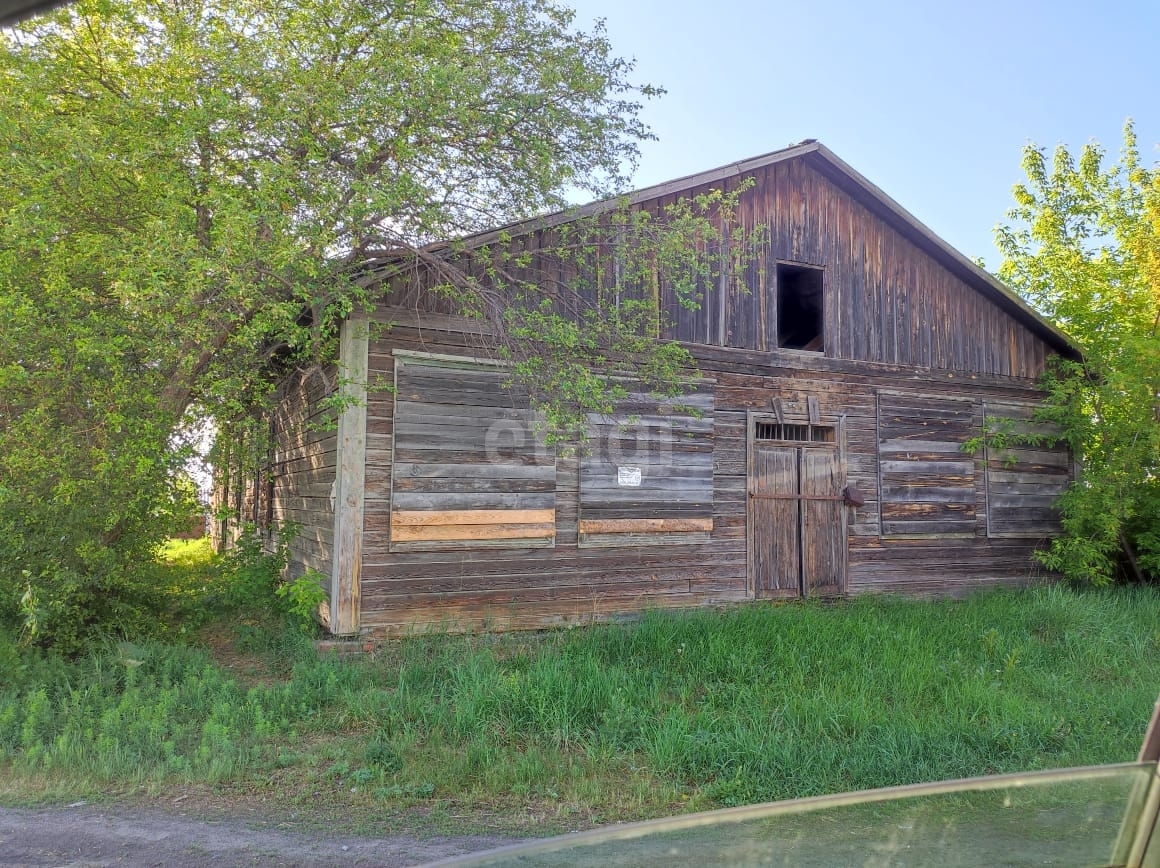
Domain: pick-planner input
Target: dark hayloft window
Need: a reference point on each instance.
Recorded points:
(799, 307)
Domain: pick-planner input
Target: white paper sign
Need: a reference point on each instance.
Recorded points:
(629, 476)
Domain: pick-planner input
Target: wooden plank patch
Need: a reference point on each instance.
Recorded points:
(645, 472)
(425, 533)
(926, 483)
(1024, 481)
(469, 467)
(476, 526)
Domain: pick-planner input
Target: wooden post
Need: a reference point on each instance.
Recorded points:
(350, 475)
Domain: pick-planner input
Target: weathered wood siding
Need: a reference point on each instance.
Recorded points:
(886, 299)
(927, 483)
(646, 472)
(471, 468)
(476, 586)
(471, 587)
(302, 469)
(1023, 481)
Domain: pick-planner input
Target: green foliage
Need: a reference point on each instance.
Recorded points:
(188, 195)
(250, 585)
(301, 598)
(251, 571)
(1085, 250)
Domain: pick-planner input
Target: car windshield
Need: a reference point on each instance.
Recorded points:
(1076, 817)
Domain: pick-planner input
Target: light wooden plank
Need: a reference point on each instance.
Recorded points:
(424, 533)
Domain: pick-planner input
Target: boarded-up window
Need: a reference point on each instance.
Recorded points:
(470, 467)
(927, 482)
(646, 476)
(1023, 480)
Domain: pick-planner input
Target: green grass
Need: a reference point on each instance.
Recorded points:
(675, 711)
(187, 552)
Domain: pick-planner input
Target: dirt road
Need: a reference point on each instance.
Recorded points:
(86, 836)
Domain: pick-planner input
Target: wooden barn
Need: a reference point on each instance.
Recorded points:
(820, 452)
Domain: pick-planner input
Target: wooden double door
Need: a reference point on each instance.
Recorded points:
(797, 520)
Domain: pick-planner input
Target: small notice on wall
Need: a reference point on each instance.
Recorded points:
(628, 476)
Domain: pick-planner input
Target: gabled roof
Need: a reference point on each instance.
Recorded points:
(820, 157)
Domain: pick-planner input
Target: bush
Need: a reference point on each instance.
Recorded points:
(253, 580)
(301, 598)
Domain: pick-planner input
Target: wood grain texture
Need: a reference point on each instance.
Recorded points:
(927, 484)
(823, 522)
(493, 531)
(1024, 481)
(777, 559)
(648, 469)
(349, 488)
(469, 461)
(646, 525)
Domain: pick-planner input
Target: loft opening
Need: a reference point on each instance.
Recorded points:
(799, 307)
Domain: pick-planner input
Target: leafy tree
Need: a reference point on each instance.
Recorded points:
(189, 193)
(1085, 249)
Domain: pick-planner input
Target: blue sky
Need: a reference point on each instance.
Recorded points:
(932, 102)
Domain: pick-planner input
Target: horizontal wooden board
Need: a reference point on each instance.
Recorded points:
(402, 518)
(944, 447)
(416, 501)
(417, 533)
(647, 495)
(439, 453)
(1021, 501)
(932, 529)
(635, 540)
(950, 490)
(510, 470)
(646, 510)
(645, 525)
(459, 414)
(627, 498)
(959, 468)
(1013, 519)
(679, 472)
(466, 547)
(468, 484)
(1058, 457)
(962, 511)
